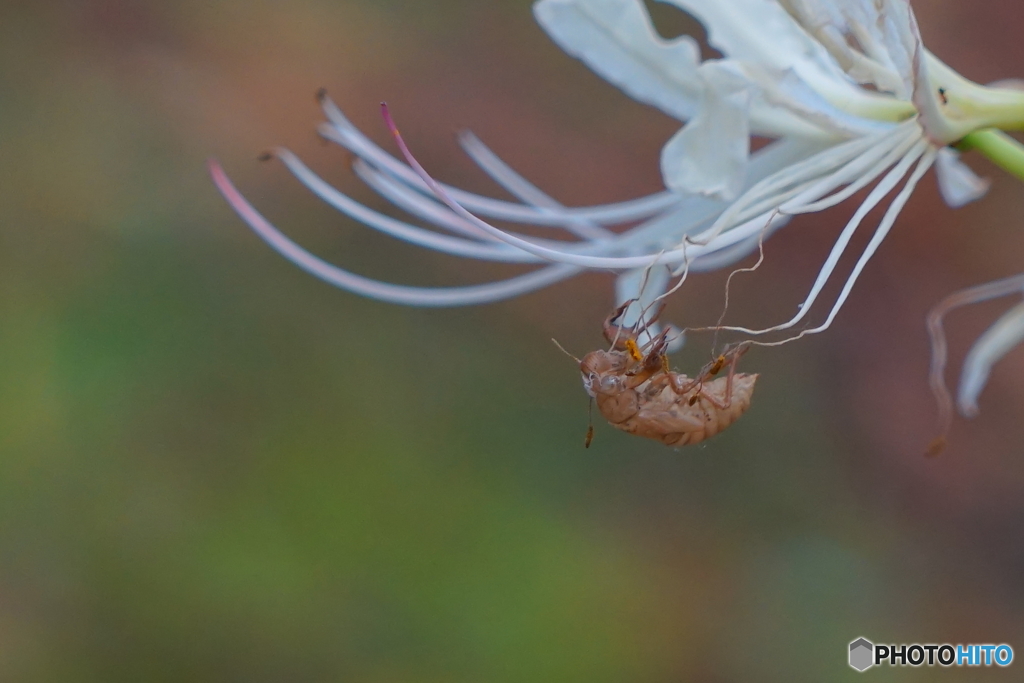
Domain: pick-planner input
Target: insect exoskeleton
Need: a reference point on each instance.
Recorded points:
(639, 394)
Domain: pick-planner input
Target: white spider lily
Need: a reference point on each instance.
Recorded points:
(849, 78)
(845, 89)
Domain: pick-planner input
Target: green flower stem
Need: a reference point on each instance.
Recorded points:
(999, 148)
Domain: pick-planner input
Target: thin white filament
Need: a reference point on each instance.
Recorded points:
(663, 230)
(399, 294)
(893, 212)
(555, 255)
(520, 187)
(395, 228)
(937, 335)
(344, 133)
(925, 163)
(492, 251)
(873, 199)
(407, 199)
(776, 185)
(864, 176)
(853, 174)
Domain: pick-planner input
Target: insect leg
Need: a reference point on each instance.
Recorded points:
(735, 352)
(613, 331)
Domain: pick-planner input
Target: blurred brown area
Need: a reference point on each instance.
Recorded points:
(214, 467)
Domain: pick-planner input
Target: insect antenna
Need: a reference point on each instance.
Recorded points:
(562, 349)
(590, 424)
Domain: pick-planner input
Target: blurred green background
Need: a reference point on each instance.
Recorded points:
(215, 468)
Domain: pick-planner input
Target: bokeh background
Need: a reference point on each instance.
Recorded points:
(215, 468)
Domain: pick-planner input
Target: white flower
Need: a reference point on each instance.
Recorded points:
(848, 80)
(845, 89)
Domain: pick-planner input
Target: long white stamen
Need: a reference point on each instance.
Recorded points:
(344, 133)
(384, 291)
(792, 199)
(673, 256)
(407, 199)
(808, 169)
(520, 187)
(873, 199)
(777, 155)
(695, 213)
(494, 250)
(854, 174)
(678, 221)
(396, 228)
(427, 207)
(863, 175)
(888, 220)
(554, 255)
(925, 163)
(691, 214)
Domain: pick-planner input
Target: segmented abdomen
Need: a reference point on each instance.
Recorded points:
(703, 418)
(671, 419)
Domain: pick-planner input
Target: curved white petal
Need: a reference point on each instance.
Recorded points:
(762, 32)
(615, 38)
(788, 92)
(958, 184)
(874, 41)
(709, 155)
(1006, 333)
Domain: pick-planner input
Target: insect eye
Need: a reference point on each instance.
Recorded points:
(588, 383)
(611, 383)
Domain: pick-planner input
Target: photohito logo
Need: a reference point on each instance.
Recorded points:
(864, 654)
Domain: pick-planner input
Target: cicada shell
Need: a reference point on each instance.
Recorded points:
(639, 394)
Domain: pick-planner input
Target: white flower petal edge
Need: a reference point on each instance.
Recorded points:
(617, 40)
(709, 155)
(958, 184)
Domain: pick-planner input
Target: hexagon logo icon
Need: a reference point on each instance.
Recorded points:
(862, 653)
